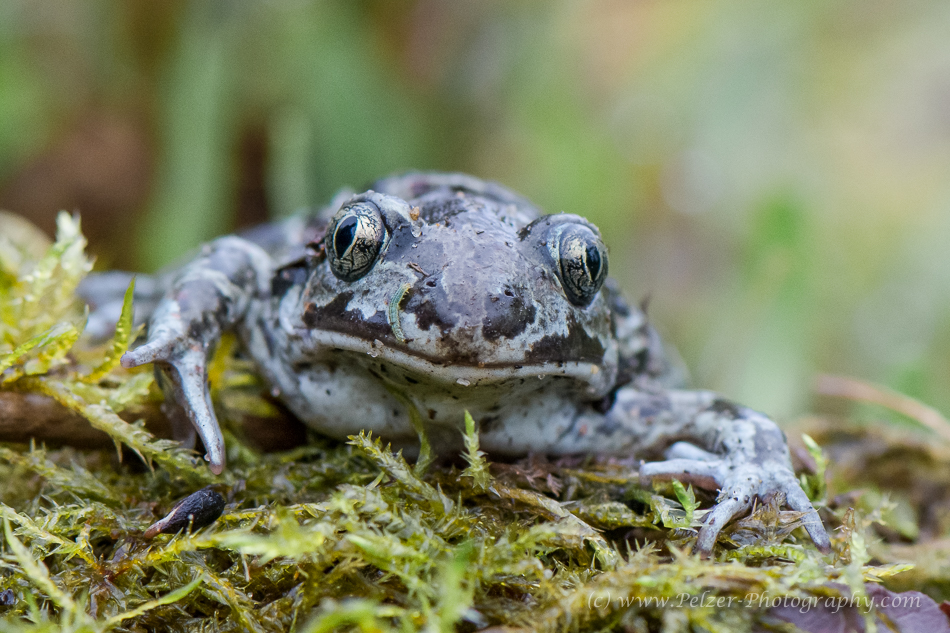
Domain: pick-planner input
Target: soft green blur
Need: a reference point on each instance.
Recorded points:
(772, 174)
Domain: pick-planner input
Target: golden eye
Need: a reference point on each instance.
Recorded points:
(355, 239)
(581, 260)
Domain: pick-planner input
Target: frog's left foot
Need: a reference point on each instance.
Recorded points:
(754, 464)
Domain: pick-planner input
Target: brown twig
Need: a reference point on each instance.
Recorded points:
(862, 391)
(25, 417)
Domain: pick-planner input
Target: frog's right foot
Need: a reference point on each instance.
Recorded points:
(182, 355)
(207, 297)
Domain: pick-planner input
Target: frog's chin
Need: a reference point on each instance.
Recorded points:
(318, 343)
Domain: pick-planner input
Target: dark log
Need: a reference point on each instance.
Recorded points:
(25, 417)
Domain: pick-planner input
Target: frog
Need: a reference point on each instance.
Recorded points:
(432, 296)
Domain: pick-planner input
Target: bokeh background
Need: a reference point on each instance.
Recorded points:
(772, 174)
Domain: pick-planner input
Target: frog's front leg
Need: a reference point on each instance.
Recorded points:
(708, 442)
(210, 295)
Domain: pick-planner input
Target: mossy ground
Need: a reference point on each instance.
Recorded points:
(349, 536)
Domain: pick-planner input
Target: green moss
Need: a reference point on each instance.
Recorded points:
(350, 536)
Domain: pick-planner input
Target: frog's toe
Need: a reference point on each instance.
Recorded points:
(685, 450)
(183, 363)
(701, 473)
(797, 500)
(737, 501)
(740, 486)
(160, 349)
(189, 381)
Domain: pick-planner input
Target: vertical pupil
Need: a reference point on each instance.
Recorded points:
(345, 234)
(593, 261)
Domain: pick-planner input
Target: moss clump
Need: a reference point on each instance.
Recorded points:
(349, 536)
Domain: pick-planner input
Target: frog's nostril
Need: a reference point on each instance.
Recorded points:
(431, 283)
(509, 293)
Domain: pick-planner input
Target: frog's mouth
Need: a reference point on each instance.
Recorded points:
(465, 373)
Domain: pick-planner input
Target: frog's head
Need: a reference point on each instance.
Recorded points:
(459, 287)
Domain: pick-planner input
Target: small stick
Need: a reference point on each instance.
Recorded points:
(862, 391)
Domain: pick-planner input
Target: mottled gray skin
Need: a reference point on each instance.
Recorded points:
(463, 310)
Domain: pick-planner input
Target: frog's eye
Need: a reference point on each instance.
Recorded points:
(581, 260)
(354, 240)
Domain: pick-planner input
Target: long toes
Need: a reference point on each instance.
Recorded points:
(796, 499)
(165, 346)
(685, 450)
(158, 349)
(191, 390)
(717, 519)
(699, 473)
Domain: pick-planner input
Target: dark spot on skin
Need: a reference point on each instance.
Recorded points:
(604, 405)
(507, 318)
(411, 380)
(435, 207)
(334, 317)
(615, 299)
(577, 346)
(395, 413)
(196, 330)
(196, 510)
(640, 362)
(431, 413)
(287, 278)
(488, 423)
(202, 306)
(424, 306)
(724, 407)
(310, 315)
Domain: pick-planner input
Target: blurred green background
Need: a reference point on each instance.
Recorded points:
(773, 174)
